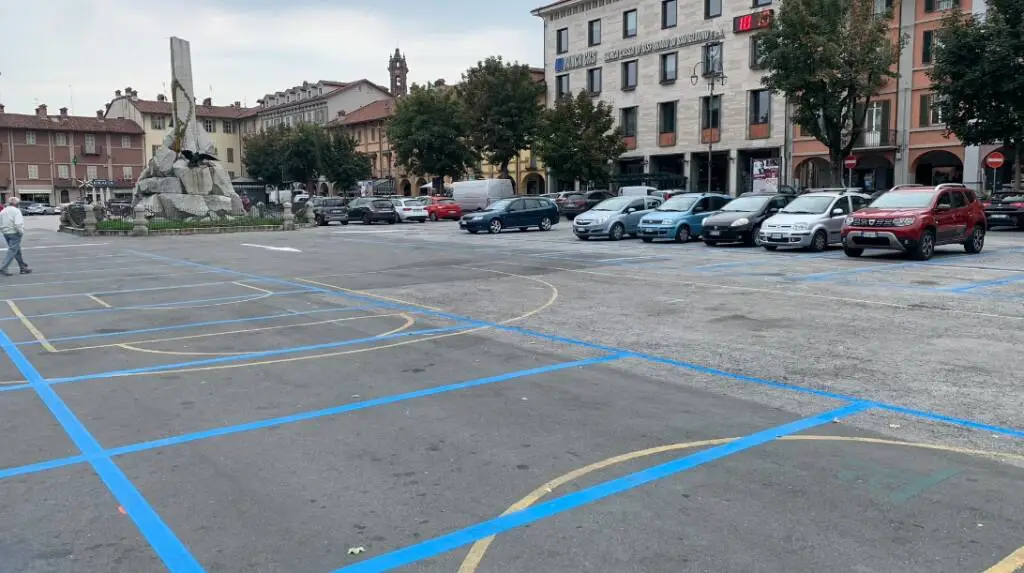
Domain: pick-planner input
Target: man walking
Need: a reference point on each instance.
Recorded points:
(12, 225)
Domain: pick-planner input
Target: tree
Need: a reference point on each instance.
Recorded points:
(502, 109)
(305, 148)
(828, 58)
(577, 139)
(343, 165)
(428, 135)
(264, 155)
(978, 76)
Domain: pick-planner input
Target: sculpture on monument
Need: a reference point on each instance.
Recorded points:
(184, 180)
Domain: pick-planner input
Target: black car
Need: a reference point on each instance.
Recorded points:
(327, 209)
(520, 213)
(372, 209)
(740, 220)
(573, 203)
(1005, 209)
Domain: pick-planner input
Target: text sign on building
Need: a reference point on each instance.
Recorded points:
(644, 48)
(566, 63)
(750, 22)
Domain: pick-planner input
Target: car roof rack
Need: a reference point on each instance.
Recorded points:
(949, 186)
(904, 186)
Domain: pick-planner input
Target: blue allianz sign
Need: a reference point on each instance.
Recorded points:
(566, 63)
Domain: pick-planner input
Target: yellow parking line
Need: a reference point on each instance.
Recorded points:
(1012, 564)
(99, 301)
(263, 290)
(370, 294)
(31, 327)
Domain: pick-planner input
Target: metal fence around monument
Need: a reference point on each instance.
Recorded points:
(119, 218)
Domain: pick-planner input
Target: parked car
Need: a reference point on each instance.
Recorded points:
(372, 209)
(442, 208)
(637, 191)
(739, 221)
(813, 220)
(479, 194)
(31, 208)
(573, 204)
(613, 218)
(1005, 209)
(521, 213)
(915, 220)
(410, 210)
(328, 209)
(667, 194)
(681, 217)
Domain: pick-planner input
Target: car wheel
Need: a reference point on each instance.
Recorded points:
(819, 242)
(711, 243)
(647, 239)
(494, 227)
(473, 231)
(569, 217)
(683, 234)
(925, 247)
(545, 224)
(345, 222)
(433, 216)
(754, 239)
(976, 242)
(392, 220)
(853, 252)
(617, 232)
(770, 247)
(582, 237)
(523, 229)
(367, 220)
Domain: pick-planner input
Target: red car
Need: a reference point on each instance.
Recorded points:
(914, 219)
(443, 208)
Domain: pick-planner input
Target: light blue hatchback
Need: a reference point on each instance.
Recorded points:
(681, 217)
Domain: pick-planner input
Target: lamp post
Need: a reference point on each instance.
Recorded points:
(712, 74)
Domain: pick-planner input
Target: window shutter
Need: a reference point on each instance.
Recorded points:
(886, 109)
(926, 47)
(888, 4)
(924, 112)
(929, 5)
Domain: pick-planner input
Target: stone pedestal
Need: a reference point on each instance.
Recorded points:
(90, 220)
(141, 227)
(289, 218)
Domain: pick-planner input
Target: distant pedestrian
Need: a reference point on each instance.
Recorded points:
(12, 225)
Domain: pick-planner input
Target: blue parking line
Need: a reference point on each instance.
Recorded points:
(165, 543)
(125, 291)
(941, 260)
(305, 416)
(570, 501)
(986, 284)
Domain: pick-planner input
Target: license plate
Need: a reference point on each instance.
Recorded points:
(715, 233)
(870, 235)
(776, 236)
(999, 216)
(335, 211)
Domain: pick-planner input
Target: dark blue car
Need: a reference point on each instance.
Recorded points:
(513, 213)
(681, 218)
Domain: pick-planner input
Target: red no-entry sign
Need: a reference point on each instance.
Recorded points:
(995, 160)
(850, 162)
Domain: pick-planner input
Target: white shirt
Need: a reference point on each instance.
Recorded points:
(11, 221)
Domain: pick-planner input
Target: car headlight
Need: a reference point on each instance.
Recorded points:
(476, 218)
(800, 226)
(849, 220)
(904, 221)
(600, 220)
(740, 222)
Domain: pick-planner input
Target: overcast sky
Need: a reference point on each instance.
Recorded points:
(75, 53)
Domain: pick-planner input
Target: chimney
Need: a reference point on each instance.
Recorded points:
(135, 95)
(341, 113)
(161, 97)
(117, 93)
(238, 104)
(41, 110)
(63, 112)
(1, 108)
(208, 101)
(128, 91)
(99, 114)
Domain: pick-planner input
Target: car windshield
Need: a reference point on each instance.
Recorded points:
(808, 205)
(678, 204)
(382, 205)
(904, 200)
(499, 205)
(332, 202)
(746, 204)
(446, 202)
(613, 204)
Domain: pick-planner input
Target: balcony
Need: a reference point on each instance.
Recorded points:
(91, 149)
(630, 142)
(667, 139)
(759, 131)
(884, 139)
(710, 135)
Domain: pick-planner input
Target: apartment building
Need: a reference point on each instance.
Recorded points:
(223, 122)
(904, 138)
(684, 80)
(62, 158)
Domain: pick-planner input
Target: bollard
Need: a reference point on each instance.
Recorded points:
(289, 218)
(90, 220)
(141, 227)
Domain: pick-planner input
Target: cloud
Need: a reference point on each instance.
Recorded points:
(93, 47)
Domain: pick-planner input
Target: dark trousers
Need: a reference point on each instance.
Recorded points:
(13, 252)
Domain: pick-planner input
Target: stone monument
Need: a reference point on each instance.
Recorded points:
(184, 180)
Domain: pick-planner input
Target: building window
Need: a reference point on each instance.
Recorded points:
(760, 3)
(91, 172)
(126, 141)
(231, 174)
(594, 32)
(628, 121)
(756, 57)
(63, 172)
(934, 5)
(629, 74)
(666, 117)
(562, 40)
(629, 24)
(562, 86)
(90, 143)
(927, 43)
(155, 147)
(669, 14)
(209, 125)
(594, 81)
(126, 172)
(227, 126)
(881, 7)
(30, 138)
(712, 59)
(669, 67)
(62, 139)
(231, 155)
(712, 8)
(931, 114)
(760, 107)
(158, 122)
(33, 172)
(711, 112)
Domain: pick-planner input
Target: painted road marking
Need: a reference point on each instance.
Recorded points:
(1012, 564)
(270, 248)
(61, 246)
(262, 290)
(99, 301)
(31, 327)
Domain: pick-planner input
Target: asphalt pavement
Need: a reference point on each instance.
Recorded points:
(413, 398)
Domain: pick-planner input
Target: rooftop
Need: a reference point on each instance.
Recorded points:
(373, 111)
(339, 87)
(42, 121)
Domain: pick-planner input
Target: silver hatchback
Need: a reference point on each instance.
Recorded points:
(613, 218)
(813, 220)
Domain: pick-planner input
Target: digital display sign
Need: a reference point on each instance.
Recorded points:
(750, 22)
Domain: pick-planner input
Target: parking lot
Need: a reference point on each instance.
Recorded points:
(410, 397)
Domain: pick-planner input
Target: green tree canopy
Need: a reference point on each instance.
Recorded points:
(829, 58)
(502, 108)
(428, 135)
(343, 165)
(978, 76)
(264, 155)
(305, 150)
(576, 139)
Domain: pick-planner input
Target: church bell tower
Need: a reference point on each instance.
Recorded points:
(399, 72)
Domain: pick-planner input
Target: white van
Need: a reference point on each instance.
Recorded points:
(477, 195)
(636, 191)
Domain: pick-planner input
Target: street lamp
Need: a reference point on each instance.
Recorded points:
(712, 74)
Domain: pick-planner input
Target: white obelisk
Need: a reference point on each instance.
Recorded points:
(188, 134)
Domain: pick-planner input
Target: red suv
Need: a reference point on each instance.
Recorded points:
(915, 219)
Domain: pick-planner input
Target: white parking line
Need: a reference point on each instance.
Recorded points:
(60, 246)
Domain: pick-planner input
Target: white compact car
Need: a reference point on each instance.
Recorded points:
(410, 210)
